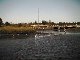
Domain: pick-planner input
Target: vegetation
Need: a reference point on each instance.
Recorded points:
(13, 29)
(44, 22)
(1, 22)
(27, 28)
(7, 23)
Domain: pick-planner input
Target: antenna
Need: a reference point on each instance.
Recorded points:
(38, 15)
(38, 18)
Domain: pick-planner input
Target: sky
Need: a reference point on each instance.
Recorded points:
(25, 11)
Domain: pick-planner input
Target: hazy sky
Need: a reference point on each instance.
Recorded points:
(24, 11)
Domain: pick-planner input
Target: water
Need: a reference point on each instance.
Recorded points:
(47, 47)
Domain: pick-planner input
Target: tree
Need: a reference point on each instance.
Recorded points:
(19, 24)
(35, 22)
(7, 23)
(52, 23)
(78, 23)
(1, 21)
(44, 22)
(60, 23)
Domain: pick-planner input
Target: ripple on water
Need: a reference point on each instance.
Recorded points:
(64, 47)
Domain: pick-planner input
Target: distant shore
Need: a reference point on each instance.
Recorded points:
(26, 30)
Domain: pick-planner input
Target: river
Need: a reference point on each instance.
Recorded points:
(47, 47)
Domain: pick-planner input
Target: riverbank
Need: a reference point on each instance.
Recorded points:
(73, 30)
(16, 30)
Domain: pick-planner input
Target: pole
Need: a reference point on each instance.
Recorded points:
(38, 18)
(38, 15)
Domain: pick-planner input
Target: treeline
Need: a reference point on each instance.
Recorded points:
(6, 23)
(44, 22)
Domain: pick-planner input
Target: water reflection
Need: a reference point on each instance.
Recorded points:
(4, 36)
(44, 46)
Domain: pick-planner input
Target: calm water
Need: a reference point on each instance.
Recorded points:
(44, 47)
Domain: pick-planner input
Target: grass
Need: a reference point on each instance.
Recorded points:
(26, 29)
(13, 29)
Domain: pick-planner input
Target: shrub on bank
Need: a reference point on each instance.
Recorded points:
(11, 29)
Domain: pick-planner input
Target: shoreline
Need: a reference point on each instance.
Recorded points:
(28, 30)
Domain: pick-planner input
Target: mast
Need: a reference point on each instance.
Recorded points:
(38, 15)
